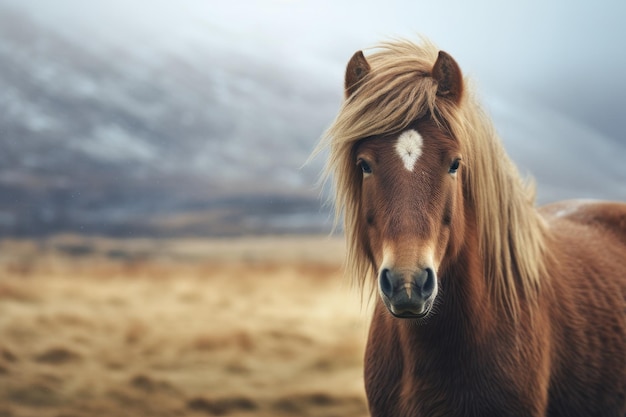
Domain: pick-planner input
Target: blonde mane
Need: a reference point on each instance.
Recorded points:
(399, 90)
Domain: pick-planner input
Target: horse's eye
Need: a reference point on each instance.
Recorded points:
(454, 166)
(365, 167)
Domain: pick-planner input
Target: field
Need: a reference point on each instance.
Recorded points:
(239, 327)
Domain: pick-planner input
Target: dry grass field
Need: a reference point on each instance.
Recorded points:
(242, 327)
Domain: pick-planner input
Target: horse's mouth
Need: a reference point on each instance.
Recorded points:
(410, 315)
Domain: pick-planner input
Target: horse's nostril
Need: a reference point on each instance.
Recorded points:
(429, 284)
(386, 285)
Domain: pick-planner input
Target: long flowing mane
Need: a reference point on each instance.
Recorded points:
(399, 90)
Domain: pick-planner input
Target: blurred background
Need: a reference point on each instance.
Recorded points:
(162, 242)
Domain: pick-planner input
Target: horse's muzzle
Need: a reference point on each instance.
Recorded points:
(408, 296)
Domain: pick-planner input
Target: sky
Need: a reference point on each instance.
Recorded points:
(550, 73)
(531, 44)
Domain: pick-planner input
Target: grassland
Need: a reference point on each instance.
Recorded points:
(242, 327)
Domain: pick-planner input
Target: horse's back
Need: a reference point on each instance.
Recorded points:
(588, 236)
(601, 216)
(589, 306)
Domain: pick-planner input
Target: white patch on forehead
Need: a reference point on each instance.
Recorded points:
(409, 148)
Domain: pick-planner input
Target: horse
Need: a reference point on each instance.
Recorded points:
(483, 303)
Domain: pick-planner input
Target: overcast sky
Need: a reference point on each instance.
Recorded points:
(537, 45)
(551, 72)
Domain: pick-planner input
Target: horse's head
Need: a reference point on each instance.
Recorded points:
(410, 211)
(421, 181)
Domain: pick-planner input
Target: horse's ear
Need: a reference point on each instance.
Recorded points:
(357, 69)
(449, 78)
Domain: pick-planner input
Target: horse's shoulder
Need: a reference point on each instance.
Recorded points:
(592, 213)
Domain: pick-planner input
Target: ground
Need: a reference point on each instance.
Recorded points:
(239, 327)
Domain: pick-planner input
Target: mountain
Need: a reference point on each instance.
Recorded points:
(99, 139)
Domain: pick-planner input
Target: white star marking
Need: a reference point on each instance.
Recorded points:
(409, 148)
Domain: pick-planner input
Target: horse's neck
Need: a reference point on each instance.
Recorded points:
(465, 299)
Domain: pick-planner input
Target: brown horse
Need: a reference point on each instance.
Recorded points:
(487, 305)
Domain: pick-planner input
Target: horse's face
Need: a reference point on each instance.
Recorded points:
(411, 212)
